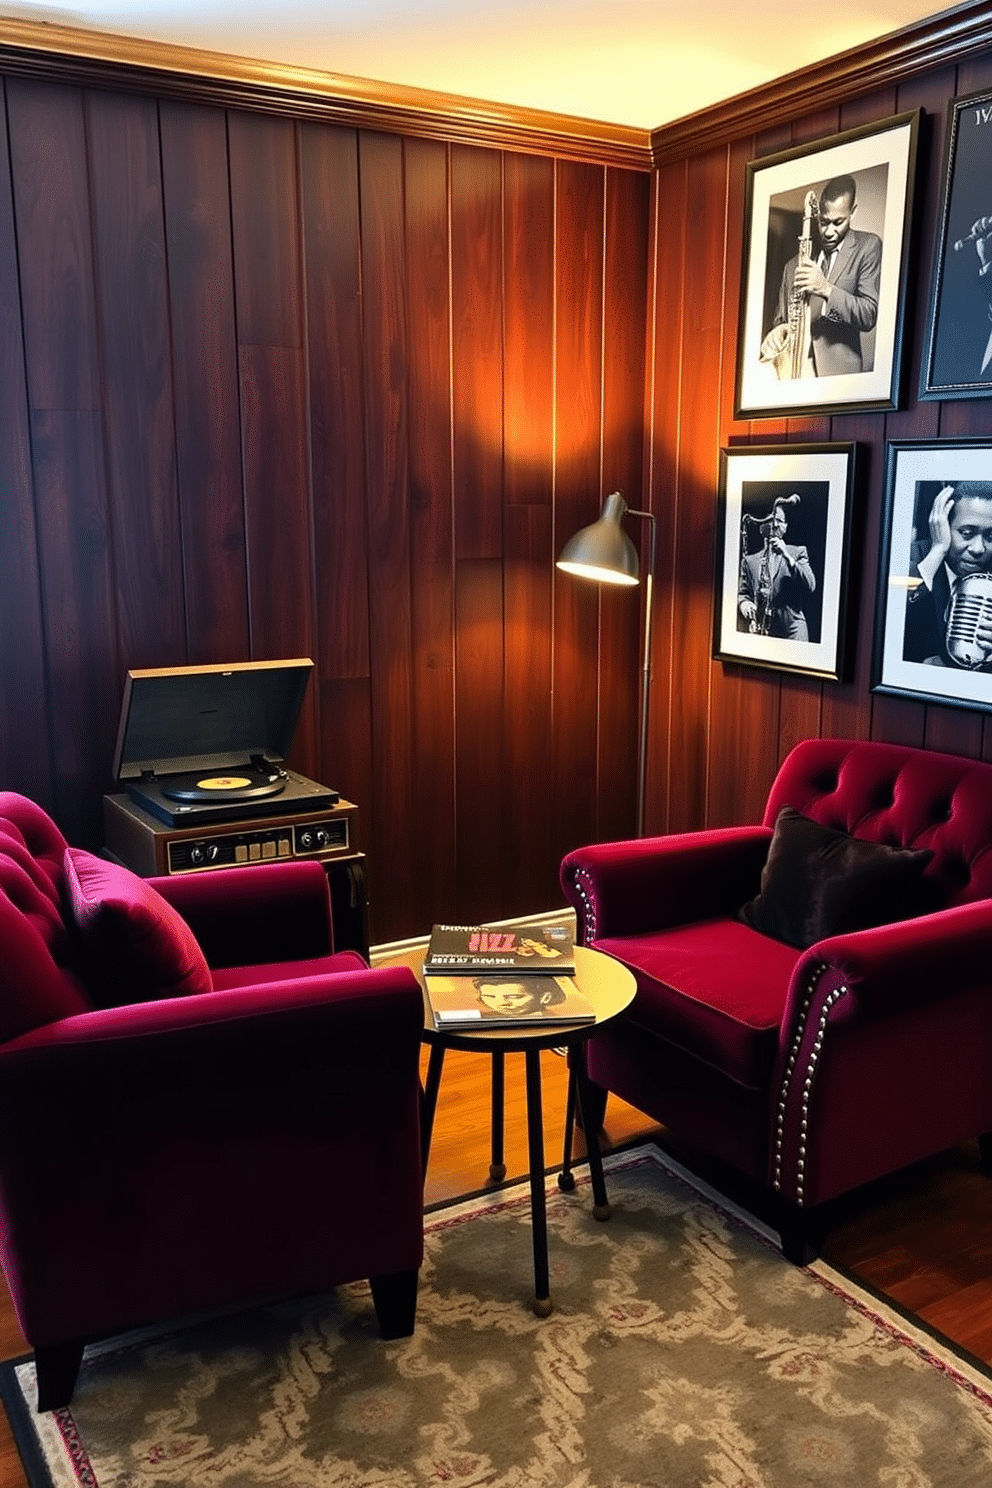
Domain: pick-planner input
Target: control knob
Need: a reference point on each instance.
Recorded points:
(203, 852)
(312, 839)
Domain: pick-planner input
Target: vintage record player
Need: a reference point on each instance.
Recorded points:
(208, 744)
(201, 757)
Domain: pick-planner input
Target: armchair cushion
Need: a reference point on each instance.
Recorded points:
(139, 948)
(818, 882)
(715, 988)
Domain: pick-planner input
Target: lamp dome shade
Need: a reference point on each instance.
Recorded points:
(603, 551)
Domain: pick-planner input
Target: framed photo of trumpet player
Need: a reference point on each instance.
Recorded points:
(958, 358)
(933, 626)
(826, 250)
(783, 541)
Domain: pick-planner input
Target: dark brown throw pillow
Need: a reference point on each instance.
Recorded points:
(818, 882)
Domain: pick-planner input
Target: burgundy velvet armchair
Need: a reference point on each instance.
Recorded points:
(202, 1104)
(814, 1003)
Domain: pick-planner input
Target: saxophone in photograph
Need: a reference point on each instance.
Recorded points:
(788, 361)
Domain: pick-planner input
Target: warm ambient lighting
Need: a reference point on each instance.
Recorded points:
(604, 552)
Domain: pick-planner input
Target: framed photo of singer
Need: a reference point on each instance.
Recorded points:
(933, 625)
(783, 545)
(958, 358)
(826, 250)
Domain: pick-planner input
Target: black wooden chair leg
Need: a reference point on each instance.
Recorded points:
(800, 1235)
(395, 1299)
(56, 1366)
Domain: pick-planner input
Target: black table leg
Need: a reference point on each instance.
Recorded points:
(428, 1102)
(600, 1203)
(497, 1167)
(542, 1303)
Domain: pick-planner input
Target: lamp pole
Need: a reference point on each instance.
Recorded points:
(603, 552)
(642, 749)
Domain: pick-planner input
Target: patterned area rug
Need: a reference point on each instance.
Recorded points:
(683, 1351)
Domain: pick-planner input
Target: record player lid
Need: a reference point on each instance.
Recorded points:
(208, 717)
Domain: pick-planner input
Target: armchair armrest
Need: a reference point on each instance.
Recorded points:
(265, 1048)
(909, 964)
(251, 915)
(876, 1023)
(623, 888)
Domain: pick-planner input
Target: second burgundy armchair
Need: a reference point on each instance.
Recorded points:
(814, 991)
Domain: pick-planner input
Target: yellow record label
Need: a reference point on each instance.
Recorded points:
(224, 782)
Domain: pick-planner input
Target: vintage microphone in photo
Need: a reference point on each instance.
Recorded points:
(970, 606)
(979, 229)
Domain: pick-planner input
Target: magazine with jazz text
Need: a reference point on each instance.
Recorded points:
(528, 950)
(506, 999)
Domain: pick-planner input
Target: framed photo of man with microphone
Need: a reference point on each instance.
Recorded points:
(958, 358)
(933, 624)
(826, 250)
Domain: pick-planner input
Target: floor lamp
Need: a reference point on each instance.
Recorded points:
(605, 553)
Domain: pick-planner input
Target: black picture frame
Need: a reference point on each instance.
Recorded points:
(853, 366)
(813, 486)
(915, 648)
(957, 361)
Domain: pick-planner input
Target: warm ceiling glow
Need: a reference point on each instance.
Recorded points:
(640, 63)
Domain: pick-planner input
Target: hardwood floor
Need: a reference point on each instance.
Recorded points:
(922, 1237)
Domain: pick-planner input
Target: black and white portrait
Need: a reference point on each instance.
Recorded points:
(949, 596)
(959, 357)
(783, 541)
(933, 634)
(824, 274)
(782, 556)
(824, 282)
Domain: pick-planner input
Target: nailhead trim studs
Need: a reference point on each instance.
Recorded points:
(807, 1075)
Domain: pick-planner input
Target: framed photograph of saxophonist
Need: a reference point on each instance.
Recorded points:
(783, 542)
(958, 359)
(933, 625)
(827, 234)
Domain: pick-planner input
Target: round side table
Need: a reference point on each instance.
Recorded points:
(609, 987)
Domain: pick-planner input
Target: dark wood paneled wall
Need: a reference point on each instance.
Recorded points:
(719, 731)
(274, 386)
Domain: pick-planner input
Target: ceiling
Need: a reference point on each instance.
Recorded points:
(640, 63)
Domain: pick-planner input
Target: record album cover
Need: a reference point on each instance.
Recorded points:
(528, 950)
(505, 999)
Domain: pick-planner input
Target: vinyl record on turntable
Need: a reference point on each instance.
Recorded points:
(223, 788)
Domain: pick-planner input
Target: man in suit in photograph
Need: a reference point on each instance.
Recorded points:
(959, 545)
(840, 284)
(775, 583)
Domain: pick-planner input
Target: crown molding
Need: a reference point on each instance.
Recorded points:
(942, 40)
(118, 63)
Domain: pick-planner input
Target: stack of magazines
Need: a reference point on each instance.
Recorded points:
(480, 976)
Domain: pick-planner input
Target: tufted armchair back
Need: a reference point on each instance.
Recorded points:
(40, 974)
(903, 797)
